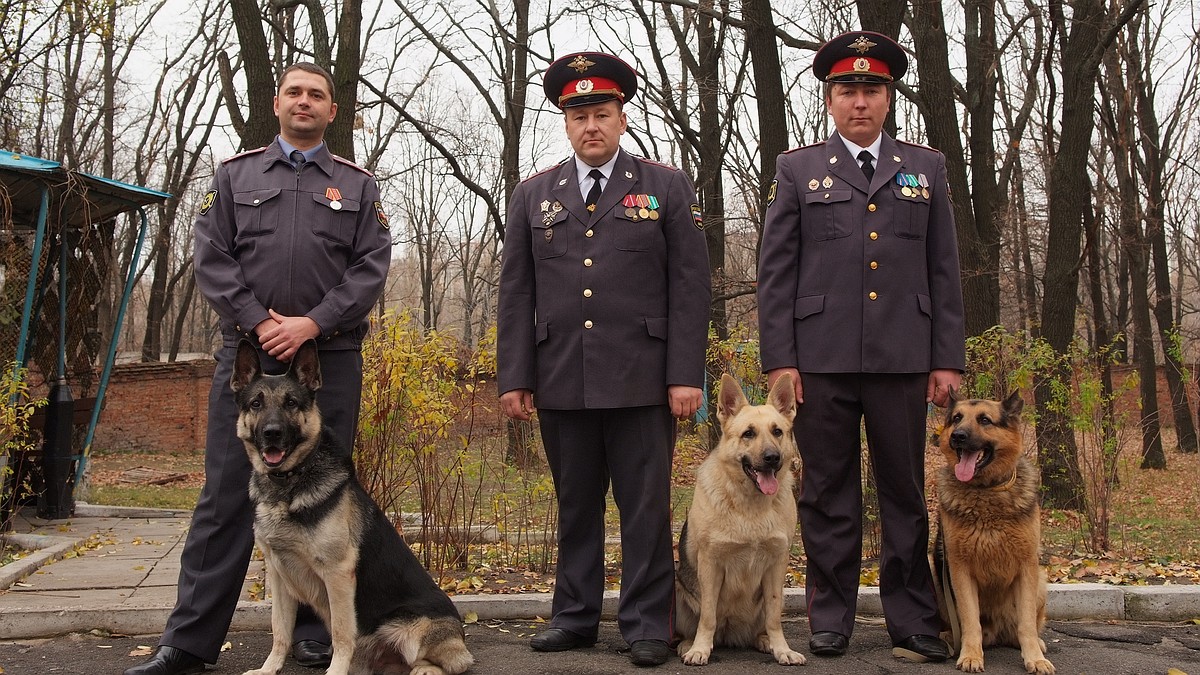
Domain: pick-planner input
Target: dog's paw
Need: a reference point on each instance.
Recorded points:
(696, 657)
(970, 664)
(789, 658)
(262, 671)
(1039, 667)
(427, 670)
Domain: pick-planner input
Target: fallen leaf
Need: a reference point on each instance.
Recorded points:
(141, 650)
(470, 617)
(227, 646)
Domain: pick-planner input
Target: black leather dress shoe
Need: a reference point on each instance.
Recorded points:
(649, 652)
(168, 661)
(921, 648)
(828, 643)
(559, 640)
(312, 654)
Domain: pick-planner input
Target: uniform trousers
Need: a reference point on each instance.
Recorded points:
(828, 432)
(217, 551)
(632, 448)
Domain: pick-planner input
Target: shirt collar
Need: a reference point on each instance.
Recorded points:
(873, 148)
(288, 148)
(582, 168)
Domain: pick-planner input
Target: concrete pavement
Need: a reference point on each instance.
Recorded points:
(114, 570)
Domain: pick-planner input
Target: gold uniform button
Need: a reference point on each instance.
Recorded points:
(587, 262)
(589, 233)
(874, 265)
(871, 208)
(587, 292)
(872, 295)
(587, 324)
(874, 236)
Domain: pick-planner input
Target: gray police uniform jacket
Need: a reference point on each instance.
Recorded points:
(855, 278)
(604, 309)
(303, 243)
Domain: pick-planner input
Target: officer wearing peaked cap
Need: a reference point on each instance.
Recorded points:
(603, 320)
(859, 299)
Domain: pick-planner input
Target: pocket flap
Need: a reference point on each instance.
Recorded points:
(255, 197)
(343, 204)
(828, 196)
(808, 305)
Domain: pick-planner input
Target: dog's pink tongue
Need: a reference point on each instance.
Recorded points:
(965, 469)
(768, 484)
(273, 455)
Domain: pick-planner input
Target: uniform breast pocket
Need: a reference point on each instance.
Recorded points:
(256, 211)
(632, 232)
(829, 211)
(335, 224)
(911, 217)
(550, 236)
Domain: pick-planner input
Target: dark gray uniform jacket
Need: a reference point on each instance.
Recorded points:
(855, 278)
(604, 309)
(310, 244)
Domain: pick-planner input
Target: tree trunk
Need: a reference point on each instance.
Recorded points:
(260, 125)
(978, 240)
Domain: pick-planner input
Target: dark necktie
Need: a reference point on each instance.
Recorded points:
(868, 168)
(593, 195)
(298, 160)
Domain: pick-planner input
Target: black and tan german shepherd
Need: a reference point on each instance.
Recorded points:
(992, 589)
(326, 542)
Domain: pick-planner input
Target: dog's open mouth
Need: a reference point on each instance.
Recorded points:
(765, 479)
(970, 461)
(273, 456)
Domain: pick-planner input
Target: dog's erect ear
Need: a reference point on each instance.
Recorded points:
(1013, 405)
(246, 367)
(730, 399)
(783, 396)
(954, 395)
(306, 367)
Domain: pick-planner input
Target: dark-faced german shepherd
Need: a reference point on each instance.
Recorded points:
(992, 588)
(733, 551)
(327, 543)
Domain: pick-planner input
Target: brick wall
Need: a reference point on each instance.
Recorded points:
(156, 407)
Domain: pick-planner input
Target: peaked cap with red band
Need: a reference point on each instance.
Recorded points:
(861, 56)
(584, 78)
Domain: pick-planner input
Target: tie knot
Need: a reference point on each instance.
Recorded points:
(868, 168)
(297, 157)
(596, 174)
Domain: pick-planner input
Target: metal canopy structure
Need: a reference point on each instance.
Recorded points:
(57, 227)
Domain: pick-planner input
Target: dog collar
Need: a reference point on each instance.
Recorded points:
(282, 478)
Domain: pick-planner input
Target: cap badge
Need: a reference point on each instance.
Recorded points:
(580, 63)
(861, 65)
(862, 45)
(583, 86)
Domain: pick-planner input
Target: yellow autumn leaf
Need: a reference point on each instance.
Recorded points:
(471, 617)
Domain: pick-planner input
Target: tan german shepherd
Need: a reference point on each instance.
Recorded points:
(327, 543)
(991, 586)
(733, 551)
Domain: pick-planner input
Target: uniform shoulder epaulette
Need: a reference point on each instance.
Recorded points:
(917, 145)
(244, 154)
(343, 160)
(651, 162)
(803, 147)
(545, 170)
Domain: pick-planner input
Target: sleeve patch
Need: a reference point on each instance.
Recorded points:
(697, 217)
(380, 215)
(210, 198)
(771, 192)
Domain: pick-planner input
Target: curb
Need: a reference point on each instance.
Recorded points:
(1065, 602)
